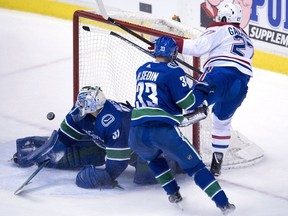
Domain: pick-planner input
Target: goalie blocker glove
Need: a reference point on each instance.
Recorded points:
(92, 177)
(25, 146)
(27, 156)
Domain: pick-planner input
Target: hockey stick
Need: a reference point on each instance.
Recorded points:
(114, 22)
(145, 51)
(28, 181)
(87, 28)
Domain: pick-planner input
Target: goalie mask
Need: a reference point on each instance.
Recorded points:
(232, 12)
(166, 47)
(90, 99)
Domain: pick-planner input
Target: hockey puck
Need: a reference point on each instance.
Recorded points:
(50, 116)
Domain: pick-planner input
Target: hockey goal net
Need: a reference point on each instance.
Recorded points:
(104, 60)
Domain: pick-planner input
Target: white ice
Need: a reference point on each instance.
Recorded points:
(36, 78)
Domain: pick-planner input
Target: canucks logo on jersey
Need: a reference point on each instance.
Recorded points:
(107, 120)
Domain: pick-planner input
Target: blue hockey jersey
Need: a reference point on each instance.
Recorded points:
(162, 93)
(109, 130)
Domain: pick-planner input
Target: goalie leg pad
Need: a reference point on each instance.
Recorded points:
(56, 154)
(174, 166)
(81, 154)
(143, 174)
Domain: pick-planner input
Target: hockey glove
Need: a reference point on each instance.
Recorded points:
(203, 87)
(127, 104)
(92, 177)
(195, 116)
(53, 149)
(25, 146)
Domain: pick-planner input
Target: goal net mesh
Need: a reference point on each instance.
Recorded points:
(111, 63)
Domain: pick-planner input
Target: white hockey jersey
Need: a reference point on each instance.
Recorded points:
(226, 45)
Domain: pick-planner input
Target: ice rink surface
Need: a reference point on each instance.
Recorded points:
(36, 78)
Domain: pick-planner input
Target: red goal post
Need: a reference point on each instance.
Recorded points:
(101, 59)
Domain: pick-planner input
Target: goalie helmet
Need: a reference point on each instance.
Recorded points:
(90, 99)
(166, 47)
(232, 13)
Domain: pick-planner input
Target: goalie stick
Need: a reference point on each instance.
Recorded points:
(114, 22)
(28, 181)
(87, 28)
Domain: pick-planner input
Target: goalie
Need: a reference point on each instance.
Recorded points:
(94, 133)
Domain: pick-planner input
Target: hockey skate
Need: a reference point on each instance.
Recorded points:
(228, 209)
(176, 198)
(217, 159)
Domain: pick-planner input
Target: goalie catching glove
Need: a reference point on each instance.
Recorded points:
(195, 116)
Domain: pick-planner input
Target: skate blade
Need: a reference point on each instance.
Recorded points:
(180, 206)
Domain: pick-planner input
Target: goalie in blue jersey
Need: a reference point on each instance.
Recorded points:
(162, 93)
(94, 133)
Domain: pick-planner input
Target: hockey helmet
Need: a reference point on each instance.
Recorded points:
(166, 47)
(232, 13)
(90, 99)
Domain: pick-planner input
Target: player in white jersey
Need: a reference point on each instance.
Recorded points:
(226, 72)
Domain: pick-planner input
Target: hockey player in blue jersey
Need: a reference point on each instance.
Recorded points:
(227, 72)
(94, 133)
(162, 93)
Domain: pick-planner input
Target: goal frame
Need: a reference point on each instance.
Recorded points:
(141, 29)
